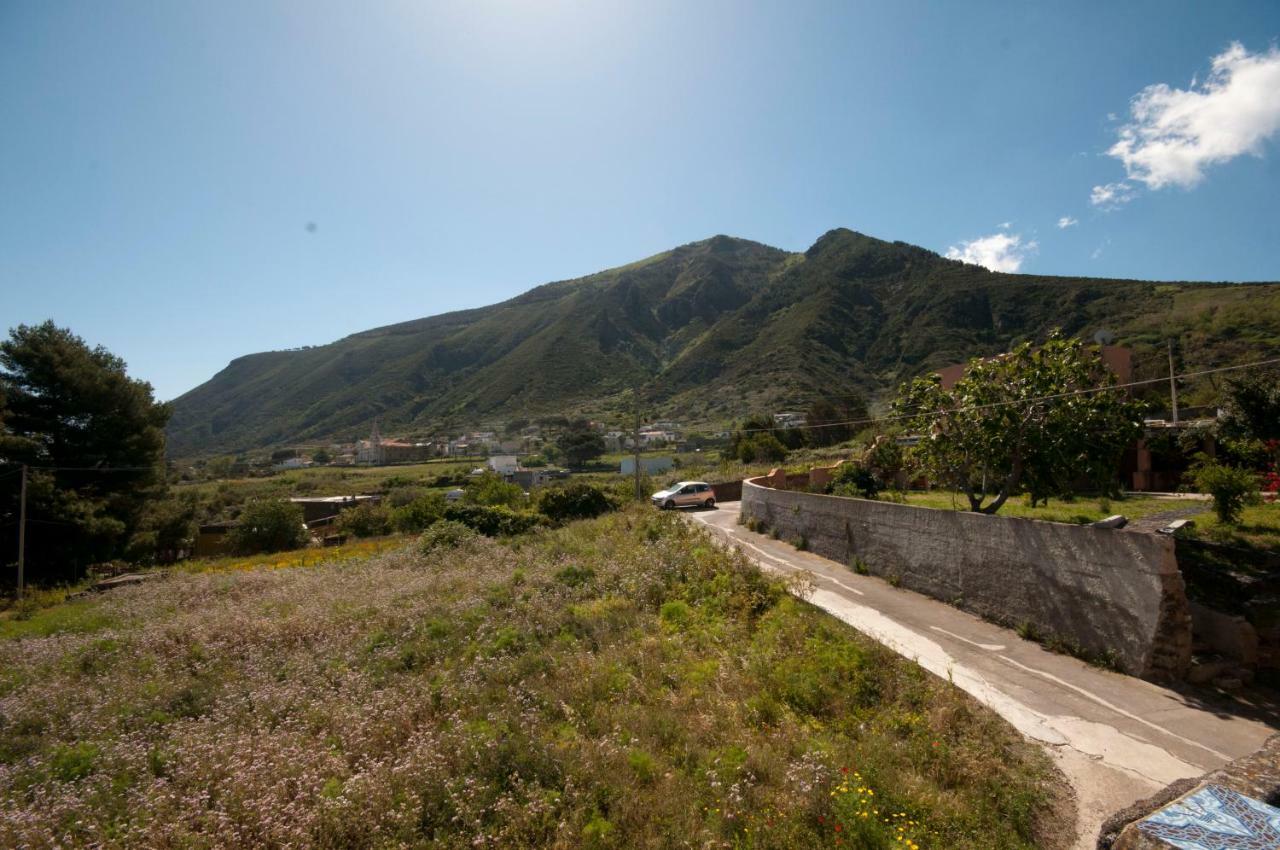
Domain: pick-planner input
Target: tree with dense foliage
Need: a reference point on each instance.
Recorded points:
(830, 421)
(491, 489)
(268, 525)
(94, 439)
(367, 519)
(757, 441)
(1040, 419)
(580, 444)
(854, 479)
(419, 514)
(1252, 409)
(579, 500)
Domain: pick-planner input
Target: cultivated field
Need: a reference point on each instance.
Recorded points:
(621, 682)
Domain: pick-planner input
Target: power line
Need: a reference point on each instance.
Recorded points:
(84, 468)
(994, 404)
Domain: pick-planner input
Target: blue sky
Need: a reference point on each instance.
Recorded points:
(188, 182)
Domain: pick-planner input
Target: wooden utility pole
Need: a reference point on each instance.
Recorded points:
(22, 531)
(635, 446)
(1173, 385)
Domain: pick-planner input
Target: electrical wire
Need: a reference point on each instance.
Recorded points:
(1020, 401)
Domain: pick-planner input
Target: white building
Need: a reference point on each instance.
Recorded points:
(504, 464)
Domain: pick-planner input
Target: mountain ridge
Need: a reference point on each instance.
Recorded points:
(710, 330)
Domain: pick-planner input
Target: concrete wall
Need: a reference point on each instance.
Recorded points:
(1115, 592)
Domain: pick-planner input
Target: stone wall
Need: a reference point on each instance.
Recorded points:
(1111, 593)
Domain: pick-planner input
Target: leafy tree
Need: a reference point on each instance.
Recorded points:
(885, 459)
(1031, 419)
(1253, 408)
(366, 519)
(491, 489)
(761, 448)
(268, 525)
(97, 438)
(322, 457)
(580, 444)
(168, 529)
(419, 514)
(827, 420)
(854, 479)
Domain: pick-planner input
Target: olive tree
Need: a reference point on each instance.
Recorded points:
(1039, 419)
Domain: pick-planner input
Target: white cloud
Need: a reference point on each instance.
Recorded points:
(1175, 134)
(1097, 252)
(1067, 221)
(1111, 195)
(1005, 225)
(999, 252)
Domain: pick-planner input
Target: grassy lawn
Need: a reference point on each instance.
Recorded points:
(1259, 528)
(1079, 510)
(621, 682)
(333, 480)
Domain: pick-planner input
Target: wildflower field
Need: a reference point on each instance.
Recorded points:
(620, 682)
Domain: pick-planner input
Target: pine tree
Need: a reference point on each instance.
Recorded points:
(94, 438)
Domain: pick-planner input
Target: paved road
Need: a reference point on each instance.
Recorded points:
(1116, 738)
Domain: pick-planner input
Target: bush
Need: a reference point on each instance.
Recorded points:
(365, 520)
(761, 448)
(1230, 487)
(445, 534)
(268, 525)
(490, 489)
(576, 501)
(854, 479)
(492, 520)
(419, 514)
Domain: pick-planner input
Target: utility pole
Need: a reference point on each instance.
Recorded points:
(22, 531)
(1173, 385)
(635, 445)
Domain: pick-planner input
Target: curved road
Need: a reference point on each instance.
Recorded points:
(1116, 738)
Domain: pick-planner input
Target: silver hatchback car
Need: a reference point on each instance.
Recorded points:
(686, 494)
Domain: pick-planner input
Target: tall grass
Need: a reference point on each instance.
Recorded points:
(621, 682)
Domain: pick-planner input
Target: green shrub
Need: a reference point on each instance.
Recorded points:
(419, 514)
(676, 612)
(761, 448)
(491, 489)
(268, 525)
(74, 761)
(854, 479)
(365, 520)
(575, 501)
(445, 534)
(1230, 487)
(492, 520)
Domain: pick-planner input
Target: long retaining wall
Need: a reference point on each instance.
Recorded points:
(1112, 593)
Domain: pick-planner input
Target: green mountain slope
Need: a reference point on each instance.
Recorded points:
(710, 330)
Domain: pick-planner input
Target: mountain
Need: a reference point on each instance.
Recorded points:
(710, 331)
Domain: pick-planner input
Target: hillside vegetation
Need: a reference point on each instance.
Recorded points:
(621, 682)
(711, 331)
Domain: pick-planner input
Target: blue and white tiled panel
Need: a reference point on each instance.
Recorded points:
(1216, 818)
